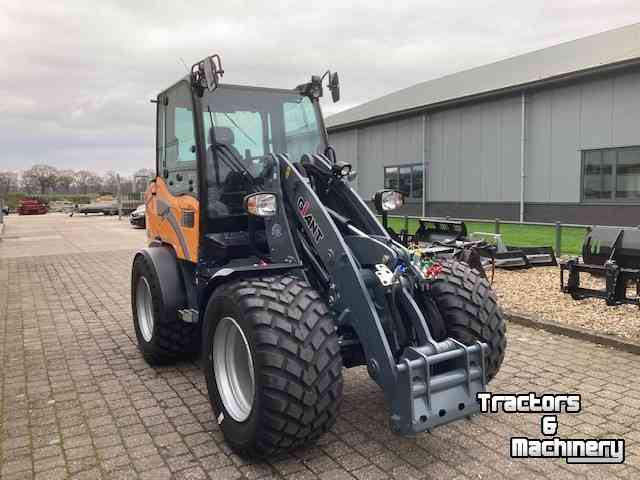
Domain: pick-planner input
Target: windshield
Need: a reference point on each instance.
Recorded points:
(243, 126)
(264, 121)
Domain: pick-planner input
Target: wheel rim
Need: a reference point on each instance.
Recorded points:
(144, 307)
(233, 369)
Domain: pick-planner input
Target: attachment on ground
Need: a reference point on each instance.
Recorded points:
(612, 253)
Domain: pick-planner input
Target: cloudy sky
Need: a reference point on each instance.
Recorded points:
(76, 76)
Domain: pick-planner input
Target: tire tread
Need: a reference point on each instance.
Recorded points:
(470, 310)
(173, 338)
(297, 342)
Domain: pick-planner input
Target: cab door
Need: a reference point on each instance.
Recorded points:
(172, 206)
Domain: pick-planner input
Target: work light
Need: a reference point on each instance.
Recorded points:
(341, 169)
(387, 200)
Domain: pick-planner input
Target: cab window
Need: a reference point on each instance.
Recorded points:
(177, 158)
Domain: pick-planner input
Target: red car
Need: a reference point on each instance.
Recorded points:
(31, 206)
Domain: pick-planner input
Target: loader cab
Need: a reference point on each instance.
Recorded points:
(215, 148)
(243, 127)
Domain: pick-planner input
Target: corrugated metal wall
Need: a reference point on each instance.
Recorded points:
(564, 121)
(473, 152)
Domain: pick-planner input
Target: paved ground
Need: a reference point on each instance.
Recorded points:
(58, 233)
(78, 401)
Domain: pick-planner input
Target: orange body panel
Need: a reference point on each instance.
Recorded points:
(173, 219)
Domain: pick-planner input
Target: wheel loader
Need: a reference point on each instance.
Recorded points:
(264, 261)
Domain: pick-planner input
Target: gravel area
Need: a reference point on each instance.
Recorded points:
(536, 292)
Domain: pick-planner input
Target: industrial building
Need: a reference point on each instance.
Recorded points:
(551, 135)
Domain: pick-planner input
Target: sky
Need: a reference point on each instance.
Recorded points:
(76, 77)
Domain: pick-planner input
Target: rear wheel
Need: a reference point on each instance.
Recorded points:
(470, 310)
(161, 339)
(273, 364)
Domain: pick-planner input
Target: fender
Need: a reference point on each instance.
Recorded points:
(165, 264)
(223, 275)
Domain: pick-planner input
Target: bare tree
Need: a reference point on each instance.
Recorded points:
(8, 183)
(40, 177)
(86, 181)
(110, 181)
(64, 181)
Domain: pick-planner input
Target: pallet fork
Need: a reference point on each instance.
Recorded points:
(610, 253)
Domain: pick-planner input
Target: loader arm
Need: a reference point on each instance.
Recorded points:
(428, 384)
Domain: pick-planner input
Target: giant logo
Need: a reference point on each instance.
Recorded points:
(304, 207)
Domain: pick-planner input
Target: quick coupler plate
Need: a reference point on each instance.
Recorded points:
(438, 384)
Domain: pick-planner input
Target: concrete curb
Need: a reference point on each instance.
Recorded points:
(575, 332)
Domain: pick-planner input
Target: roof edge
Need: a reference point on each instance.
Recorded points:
(544, 82)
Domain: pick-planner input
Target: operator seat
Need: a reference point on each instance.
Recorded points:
(220, 178)
(223, 136)
(226, 189)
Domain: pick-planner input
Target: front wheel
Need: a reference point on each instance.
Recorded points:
(272, 365)
(470, 310)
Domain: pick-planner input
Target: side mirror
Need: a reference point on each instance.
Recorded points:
(334, 86)
(387, 200)
(261, 204)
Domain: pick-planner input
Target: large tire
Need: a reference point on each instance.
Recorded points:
(470, 310)
(295, 359)
(162, 340)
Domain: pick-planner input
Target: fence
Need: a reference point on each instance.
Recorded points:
(497, 223)
(130, 201)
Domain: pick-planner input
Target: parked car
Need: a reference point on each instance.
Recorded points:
(62, 206)
(106, 208)
(31, 206)
(138, 217)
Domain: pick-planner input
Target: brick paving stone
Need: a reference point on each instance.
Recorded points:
(369, 473)
(162, 473)
(352, 462)
(78, 401)
(82, 464)
(122, 474)
(195, 473)
(257, 470)
(58, 473)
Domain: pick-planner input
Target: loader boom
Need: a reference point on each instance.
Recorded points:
(418, 397)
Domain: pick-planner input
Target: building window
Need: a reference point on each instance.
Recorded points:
(406, 178)
(611, 174)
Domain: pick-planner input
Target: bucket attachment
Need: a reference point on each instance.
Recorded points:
(609, 252)
(509, 257)
(431, 230)
(434, 231)
(442, 237)
(438, 383)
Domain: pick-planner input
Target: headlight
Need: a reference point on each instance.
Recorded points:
(387, 200)
(261, 204)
